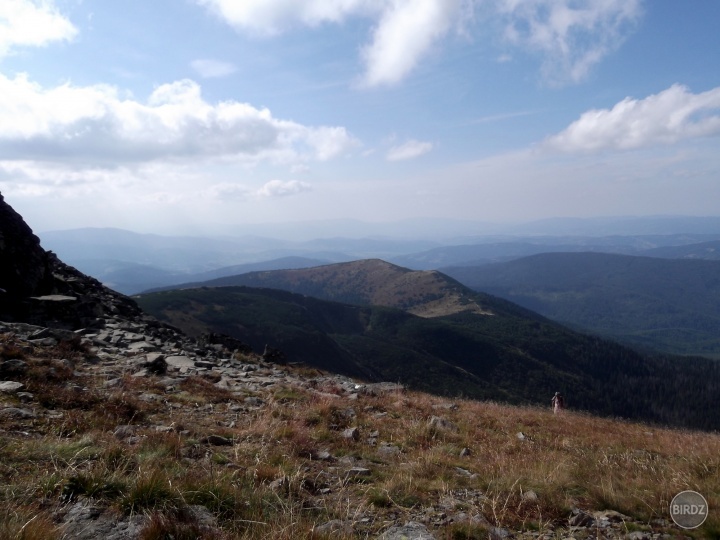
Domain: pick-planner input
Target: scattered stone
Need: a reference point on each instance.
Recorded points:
(377, 389)
(13, 367)
(124, 432)
(465, 472)
(17, 413)
(323, 455)
(155, 363)
(358, 471)
(335, 526)
(86, 520)
(254, 401)
(412, 530)
(581, 519)
(441, 423)
(216, 440)
(10, 387)
(388, 449)
(180, 362)
(352, 433)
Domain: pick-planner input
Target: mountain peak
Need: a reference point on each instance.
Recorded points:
(369, 282)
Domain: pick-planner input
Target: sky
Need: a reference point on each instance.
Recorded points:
(174, 116)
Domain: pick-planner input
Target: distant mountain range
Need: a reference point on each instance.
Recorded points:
(131, 262)
(480, 346)
(672, 305)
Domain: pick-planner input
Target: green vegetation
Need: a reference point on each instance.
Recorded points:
(512, 356)
(667, 305)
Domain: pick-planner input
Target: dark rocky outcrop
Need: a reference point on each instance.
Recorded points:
(36, 287)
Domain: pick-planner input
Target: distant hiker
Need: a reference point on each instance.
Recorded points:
(558, 402)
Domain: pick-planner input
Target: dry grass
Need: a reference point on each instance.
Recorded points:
(285, 472)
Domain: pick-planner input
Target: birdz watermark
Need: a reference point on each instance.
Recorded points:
(688, 509)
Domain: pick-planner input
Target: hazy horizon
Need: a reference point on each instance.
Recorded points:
(169, 117)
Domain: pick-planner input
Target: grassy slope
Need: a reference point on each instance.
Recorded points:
(566, 461)
(514, 356)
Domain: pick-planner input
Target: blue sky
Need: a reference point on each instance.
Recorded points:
(199, 115)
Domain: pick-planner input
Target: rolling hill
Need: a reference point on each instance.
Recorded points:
(672, 305)
(366, 282)
(499, 352)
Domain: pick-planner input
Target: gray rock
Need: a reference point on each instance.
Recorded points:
(124, 432)
(155, 363)
(638, 535)
(412, 530)
(85, 520)
(441, 423)
(498, 533)
(335, 526)
(357, 472)
(16, 413)
(323, 455)
(13, 366)
(10, 387)
(142, 346)
(581, 519)
(388, 450)
(377, 389)
(180, 362)
(204, 364)
(57, 298)
(216, 440)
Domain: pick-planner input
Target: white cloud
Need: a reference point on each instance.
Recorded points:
(404, 35)
(36, 23)
(271, 16)
(573, 35)
(230, 191)
(405, 32)
(570, 35)
(409, 150)
(668, 117)
(278, 188)
(94, 124)
(208, 68)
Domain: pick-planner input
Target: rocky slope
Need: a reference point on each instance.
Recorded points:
(136, 389)
(35, 286)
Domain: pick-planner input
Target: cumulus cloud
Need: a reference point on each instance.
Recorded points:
(272, 16)
(28, 23)
(408, 150)
(405, 30)
(278, 188)
(664, 118)
(572, 35)
(95, 124)
(208, 68)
